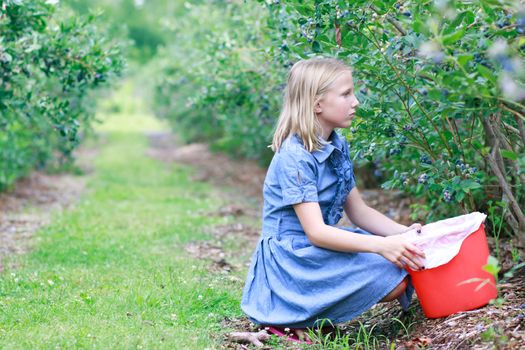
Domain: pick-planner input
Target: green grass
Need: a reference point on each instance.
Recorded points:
(112, 272)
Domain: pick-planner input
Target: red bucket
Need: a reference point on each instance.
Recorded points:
(444, 290)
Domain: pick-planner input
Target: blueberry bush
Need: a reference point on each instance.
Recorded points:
(214, 82)
(51, 61)
(440, 85)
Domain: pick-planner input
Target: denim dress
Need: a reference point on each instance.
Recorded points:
(293, 283)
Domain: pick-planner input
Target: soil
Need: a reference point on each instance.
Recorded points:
(496, 326)
(31, 202)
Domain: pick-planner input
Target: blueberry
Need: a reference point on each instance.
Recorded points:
(425, 159)
(397, 6)
(447, 196)
(445, 92)
(477, 57)
(352, 130)
(378, 173)
(405, 182)
(422, 178)
(407, 13)
(424, 91)
(363, 90)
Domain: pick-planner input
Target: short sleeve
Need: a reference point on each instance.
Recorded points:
(297, 176)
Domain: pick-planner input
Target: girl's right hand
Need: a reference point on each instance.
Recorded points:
(397, 250)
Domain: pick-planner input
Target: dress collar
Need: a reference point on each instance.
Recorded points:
(335, 141)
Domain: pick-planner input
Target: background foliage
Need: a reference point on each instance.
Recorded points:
(50, 61)
(440, 85)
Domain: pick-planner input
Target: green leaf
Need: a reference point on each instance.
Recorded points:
(452, 38)
(464, 59)
(486, 73)
(316, 47)
(492, 266)
(508, 154)
(467, 185)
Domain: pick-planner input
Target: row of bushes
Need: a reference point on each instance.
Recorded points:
(440, 85)
(50, 62)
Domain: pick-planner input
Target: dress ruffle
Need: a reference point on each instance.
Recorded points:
(345, 183)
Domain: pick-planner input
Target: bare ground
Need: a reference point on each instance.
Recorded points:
(496, 326)
(31, 202)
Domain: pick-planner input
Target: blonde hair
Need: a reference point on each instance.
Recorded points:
(308, 81)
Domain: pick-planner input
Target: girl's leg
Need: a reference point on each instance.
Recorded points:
(397, 291)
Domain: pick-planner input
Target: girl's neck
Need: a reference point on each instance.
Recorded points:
(326, 134)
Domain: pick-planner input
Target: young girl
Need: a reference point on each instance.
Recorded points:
(304, 269)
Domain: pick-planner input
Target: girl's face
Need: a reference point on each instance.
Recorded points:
(336, 108)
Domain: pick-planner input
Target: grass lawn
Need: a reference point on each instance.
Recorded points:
(112, 272)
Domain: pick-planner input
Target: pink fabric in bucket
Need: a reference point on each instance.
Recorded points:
(441, 240)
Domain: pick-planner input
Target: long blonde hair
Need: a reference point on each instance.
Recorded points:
(308, 81)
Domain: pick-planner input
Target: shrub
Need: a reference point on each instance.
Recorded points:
(49, 62)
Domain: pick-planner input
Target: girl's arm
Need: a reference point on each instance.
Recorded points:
(370, 219)
(393, 248)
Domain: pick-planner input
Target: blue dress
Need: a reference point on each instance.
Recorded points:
(293, 283)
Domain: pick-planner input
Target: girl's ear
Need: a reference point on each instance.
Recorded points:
(317, 107)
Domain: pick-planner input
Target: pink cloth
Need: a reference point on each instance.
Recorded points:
(442, 240)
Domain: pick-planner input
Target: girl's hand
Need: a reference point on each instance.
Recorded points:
(402, 253)
(416, 226)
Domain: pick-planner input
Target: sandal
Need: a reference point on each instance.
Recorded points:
(289, 334)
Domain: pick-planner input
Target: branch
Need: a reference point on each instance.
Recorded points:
(491, 139)
(391, 21)
(506, 189)
(521, 129)
(506, 145)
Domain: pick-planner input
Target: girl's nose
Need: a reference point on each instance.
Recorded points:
(356, 102)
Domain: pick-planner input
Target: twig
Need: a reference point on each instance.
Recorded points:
(506, 145)
(513, 111)
(337, 28)
(521, 128)
(460, 316)
(492, 139)
(391, 21)
(511, 128)
(467, 337)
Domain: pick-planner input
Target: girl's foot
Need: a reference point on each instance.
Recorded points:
(296, 335)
